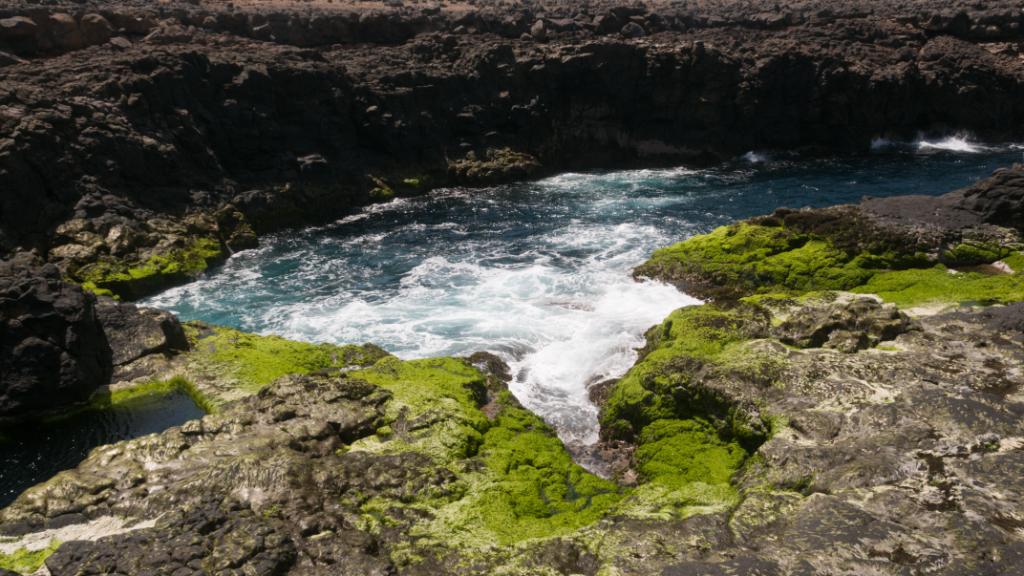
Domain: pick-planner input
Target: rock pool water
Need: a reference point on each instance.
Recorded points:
(538, 272)
(33, 453)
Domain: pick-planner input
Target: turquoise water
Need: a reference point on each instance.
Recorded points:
(539, 272)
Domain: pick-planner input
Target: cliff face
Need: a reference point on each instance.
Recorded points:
(202, 126)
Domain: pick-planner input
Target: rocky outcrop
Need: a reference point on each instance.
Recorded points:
(199, 123)
(133, 332)
(60, 343)
(53, 350)
(874, 245)
(863, 459)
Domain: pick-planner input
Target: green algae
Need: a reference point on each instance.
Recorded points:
(768, 264)
(941, 285)
(152, 389)
(1015, 261)
(746, 259)
(24, 561)
(434, 407)
(661, 384)
(125, 279)
(683, 451)
(968, 252)
(523, 484)
(255, 360)
(381, 191)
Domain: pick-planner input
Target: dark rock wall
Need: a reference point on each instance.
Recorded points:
(52, 347)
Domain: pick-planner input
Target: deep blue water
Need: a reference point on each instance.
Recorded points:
(536, 272)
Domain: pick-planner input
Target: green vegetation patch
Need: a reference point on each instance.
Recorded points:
(967, 253)
(679, 452)
(515, 480)
(941, 285)
(743, 259)
(153, 389)
(771, 262)
(126, 279)
(661, 385)
(255, 361)
(434, 407)
(527, 487)
(24, 561)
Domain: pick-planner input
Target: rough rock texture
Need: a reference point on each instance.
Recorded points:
(799, 432)
(217, 122)
(58, 343)
(133, 332)
(52, 347)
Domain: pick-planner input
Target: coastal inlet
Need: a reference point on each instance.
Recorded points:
(539, 272)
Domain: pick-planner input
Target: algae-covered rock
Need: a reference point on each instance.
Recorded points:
(911, 250)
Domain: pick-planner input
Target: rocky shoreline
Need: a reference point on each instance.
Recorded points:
(785, 427)
(847, 401)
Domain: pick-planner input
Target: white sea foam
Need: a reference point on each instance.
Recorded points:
(960, 143)
(560, 327)
(755, 157)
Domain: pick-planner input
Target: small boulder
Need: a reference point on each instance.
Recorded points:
(538, 31)
(65, 32)
(606, 24)
(120, 42)
(19, 34)
(95, 29)
(17, 28)
(170, 34)
(633, 30)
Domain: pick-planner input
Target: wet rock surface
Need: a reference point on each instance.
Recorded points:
(899, 458)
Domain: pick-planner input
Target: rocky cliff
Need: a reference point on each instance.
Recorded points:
(141, 144)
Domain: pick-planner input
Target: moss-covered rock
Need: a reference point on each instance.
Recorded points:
(25, 561)
(494, 166)
(941, 285)
(225, 363)
(131, 280)
(665, 382)
(764, 258)
(744, 259)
